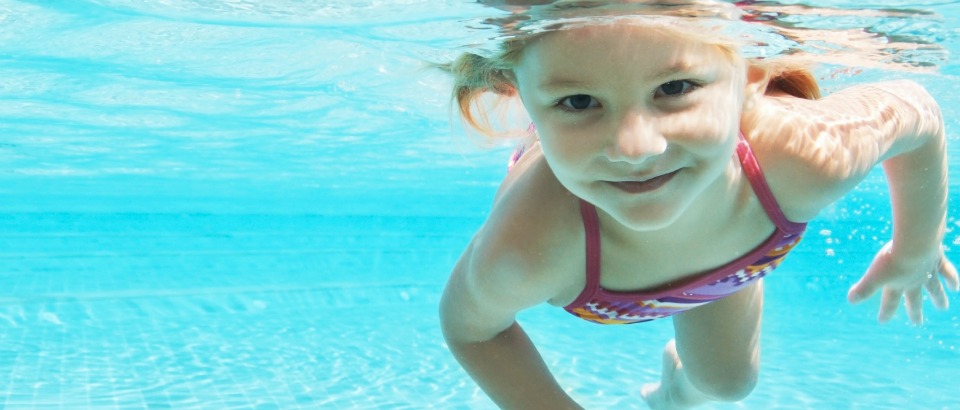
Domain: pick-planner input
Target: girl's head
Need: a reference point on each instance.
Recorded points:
(476, 76)
(636, 116)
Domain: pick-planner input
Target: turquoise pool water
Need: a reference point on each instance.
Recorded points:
(214, 204)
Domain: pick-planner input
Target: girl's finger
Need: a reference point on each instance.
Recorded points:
(949, 273)
(862, 290)
(937, 294)
(914, 303)
(888, 305)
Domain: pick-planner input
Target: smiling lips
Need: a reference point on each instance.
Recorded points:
(639, 187)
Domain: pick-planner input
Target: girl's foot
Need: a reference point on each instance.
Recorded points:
(673, 392)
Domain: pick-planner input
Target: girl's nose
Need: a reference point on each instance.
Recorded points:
(636, 139)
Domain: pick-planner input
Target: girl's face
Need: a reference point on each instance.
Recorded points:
(637, 121)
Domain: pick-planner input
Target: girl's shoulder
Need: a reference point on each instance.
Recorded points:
(515, 261)
(812, 152)
(533, 230)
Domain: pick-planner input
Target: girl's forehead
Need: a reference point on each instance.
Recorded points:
(520, 37)
(632, 30)
(625, 34)
(686, 27)
(621, 41)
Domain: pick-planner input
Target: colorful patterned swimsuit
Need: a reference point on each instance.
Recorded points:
(603, 306)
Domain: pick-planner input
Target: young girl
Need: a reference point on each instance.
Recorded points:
(669, 176)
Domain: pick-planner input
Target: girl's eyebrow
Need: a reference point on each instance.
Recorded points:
(681, 66)
(553, 83)
(561, 83)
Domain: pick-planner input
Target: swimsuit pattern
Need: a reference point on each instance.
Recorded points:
(626, 309)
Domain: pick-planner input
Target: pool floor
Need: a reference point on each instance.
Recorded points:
(181, 311)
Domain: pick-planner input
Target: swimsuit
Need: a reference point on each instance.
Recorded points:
(603, 306)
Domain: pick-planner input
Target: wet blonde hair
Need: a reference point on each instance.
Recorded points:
(475, 76)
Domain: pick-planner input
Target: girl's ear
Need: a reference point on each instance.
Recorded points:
(756, 85)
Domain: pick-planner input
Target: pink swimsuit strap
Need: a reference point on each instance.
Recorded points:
(751, 168)
(766, 255)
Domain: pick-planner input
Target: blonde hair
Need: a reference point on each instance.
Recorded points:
(475, 76)
(792, 78)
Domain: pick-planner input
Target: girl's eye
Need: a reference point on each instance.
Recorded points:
(578, 102)
(676, 87)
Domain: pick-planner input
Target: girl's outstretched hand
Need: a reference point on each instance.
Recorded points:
(905, 279)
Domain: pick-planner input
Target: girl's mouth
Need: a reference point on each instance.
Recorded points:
(648, 185)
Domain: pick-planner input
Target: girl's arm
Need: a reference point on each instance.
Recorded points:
(477, 312)
(917, 176)
(510, 370)
(830, 145)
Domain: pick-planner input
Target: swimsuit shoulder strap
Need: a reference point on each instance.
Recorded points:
(760, 187)
(591, 230)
